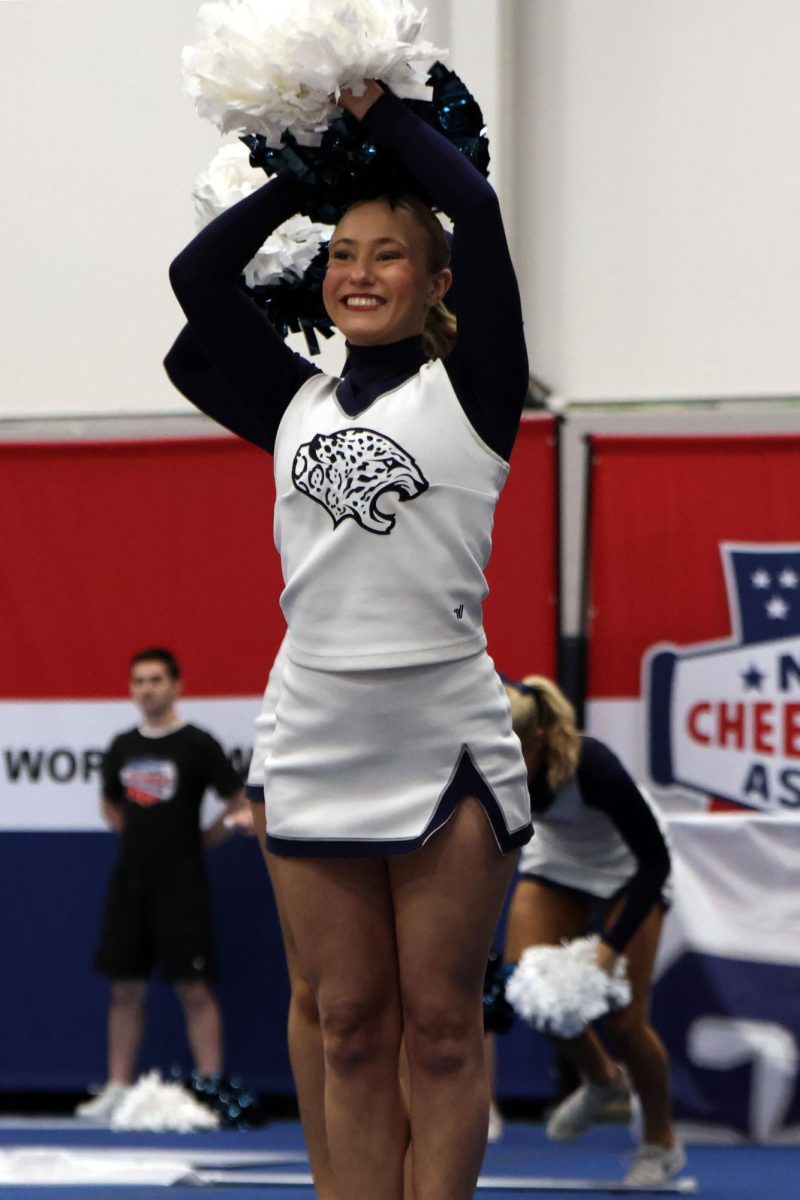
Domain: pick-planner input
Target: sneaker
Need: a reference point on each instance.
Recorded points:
(103, 1106)
(653, 1165)
(495, 1123)
(579, 1111)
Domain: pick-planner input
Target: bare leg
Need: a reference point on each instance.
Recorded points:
(541, 915)
(447, 900)
(203, 1025)
(125, 1026)
(341, 917)
(304, 1039)
(637, 1043)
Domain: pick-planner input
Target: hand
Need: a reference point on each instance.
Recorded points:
(359, 106)
(606, 957)
(240, 820)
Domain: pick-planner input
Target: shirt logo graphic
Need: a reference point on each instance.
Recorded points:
(149, 781)
(724, 717)
(459, 611)
(348, 472)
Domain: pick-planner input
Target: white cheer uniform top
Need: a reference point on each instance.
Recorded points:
(578, 846)
(383, 522)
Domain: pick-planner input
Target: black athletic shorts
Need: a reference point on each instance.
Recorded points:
(161, 917)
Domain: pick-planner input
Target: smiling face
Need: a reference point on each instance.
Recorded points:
(378, 286)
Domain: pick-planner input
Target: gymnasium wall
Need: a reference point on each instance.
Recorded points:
(644, 153)
(125, 543)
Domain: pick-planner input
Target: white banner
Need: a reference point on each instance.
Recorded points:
(51, 752)
(727, 1000)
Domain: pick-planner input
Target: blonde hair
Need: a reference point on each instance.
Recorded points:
(439, 332)
(543, 708)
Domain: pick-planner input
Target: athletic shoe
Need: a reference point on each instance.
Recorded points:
(495, 1123)
(653, 1165)
(104, 1104)
(580, 1110)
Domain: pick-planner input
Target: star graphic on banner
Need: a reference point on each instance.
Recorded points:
(788, 578)
(777, 608)
(760, 578)
(753, 678)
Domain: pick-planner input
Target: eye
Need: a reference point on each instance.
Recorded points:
(339, 255)
(388, 255)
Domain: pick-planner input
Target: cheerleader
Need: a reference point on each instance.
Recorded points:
(394, 783)
(597, 843)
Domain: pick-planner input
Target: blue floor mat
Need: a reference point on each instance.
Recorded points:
(722, 1172)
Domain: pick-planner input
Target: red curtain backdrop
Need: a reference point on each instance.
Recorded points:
(660, 508)
(111, 546)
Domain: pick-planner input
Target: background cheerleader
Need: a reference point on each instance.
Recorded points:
(597, 843)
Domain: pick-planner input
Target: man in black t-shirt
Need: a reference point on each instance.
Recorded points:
(158, 906)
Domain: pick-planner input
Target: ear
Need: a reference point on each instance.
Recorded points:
(440, 285)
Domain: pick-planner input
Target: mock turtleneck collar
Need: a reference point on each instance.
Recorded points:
(371, 370)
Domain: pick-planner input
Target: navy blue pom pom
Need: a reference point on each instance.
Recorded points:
(498, 1015)
(295, 305)
(347, 166)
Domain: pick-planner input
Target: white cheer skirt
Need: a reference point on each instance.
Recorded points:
(372, 763)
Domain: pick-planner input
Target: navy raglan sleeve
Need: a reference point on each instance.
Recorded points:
(233, 346)
(606, 785)
(489, 366)
(209, 391)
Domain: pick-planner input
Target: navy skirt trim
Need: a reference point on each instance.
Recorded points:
(664, 900)
(254, 792)
(466, 780)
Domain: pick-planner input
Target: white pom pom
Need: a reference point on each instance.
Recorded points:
(289, 251)
(560, 989)
(266, 66)
(156, 1106)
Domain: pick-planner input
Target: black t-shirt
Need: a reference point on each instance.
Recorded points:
(160, 783)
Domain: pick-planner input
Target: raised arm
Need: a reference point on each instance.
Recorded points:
(228, 333)
(489, 366)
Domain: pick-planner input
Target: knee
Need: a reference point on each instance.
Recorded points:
(626, 1027)
(441, 1038)
(127, 993)
(304, 1003)
(194, 995)
(357, 1033)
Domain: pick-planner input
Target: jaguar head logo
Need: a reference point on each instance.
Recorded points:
(348, 472)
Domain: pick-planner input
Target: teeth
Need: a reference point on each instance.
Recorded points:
(363, 302)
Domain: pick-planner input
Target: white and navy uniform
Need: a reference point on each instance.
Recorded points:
(264, 727)
(390, 711)
(598, 835)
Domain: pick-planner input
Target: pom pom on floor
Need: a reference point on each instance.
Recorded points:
(559, 990)
(270, 66)
(289, 251)
(158, 1107)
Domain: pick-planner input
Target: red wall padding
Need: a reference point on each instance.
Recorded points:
(660, 507)
(111, 546)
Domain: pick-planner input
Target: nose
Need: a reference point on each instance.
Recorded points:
(361, 271)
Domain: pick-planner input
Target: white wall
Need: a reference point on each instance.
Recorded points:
(648, 164)
(658, 196)
(100, 149)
